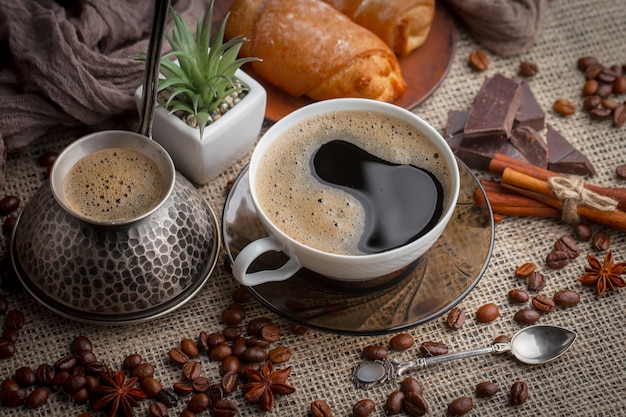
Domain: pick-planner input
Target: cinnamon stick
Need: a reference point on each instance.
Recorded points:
(541, 191)
(511, 204)
(500, 162)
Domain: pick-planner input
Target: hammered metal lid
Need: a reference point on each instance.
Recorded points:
(116, 275)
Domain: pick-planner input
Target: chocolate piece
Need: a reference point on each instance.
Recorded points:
(564, 158)
(478, 155)
(493, 111)
(530, 143)
(530, 112)
(456, 122)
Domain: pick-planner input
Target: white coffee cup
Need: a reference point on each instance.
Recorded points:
(345, 267)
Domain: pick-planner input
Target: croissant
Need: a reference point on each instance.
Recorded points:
(309, 48)
(402, 24)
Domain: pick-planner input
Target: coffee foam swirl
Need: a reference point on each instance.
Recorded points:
(319, 215)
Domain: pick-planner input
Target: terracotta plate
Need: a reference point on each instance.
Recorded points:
(423, 70)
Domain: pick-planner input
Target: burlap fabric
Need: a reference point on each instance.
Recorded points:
(588, 381)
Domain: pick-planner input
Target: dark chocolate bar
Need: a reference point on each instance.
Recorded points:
(530, 112)
(456, 122)
(478, 155)
(493, 111)
(564, 158)
(530, 143)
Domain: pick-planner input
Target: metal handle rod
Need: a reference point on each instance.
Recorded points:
(431, 360)
(151, 74)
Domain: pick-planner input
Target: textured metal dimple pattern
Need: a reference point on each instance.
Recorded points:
(115, 271)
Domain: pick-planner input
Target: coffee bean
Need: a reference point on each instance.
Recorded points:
(199, 403)
(215, 392)
(25, 377)
(593, 70)
(590, 88)
(585, 61)
(601, 241)
(189, 347)
(526, 316)
(182, 388)
(460, 406)
(501, 339)
(401, 341)
(619, 115)
(45, 374)
(74, 383)
(151, 386)
(59, 379)
(177, 356)
(431, 348)
(230, 381)
(487, 313)
(144, 370)
(609, 103)
(239, 345)
(271, 333)
(254, 354)
(606, 76)
(525, 269)
(231, 317)
(299, 330)
(528, 69)
(619, 86)
(519, 393)
(255, 325)
(81, 343)
(67, 363)
(320, 408)
(566, 244)
(604, 90)
(215, 339)
(455, 318)
(479, 61)
(9, 204)
(10, 335)
(168, 397)
(201, 384)
(225, 408)
(411, 384)
(566, 298)
(37, 398)
(280, 354)
(518, 296)
(255, 341)
(591, 102)
(192, 370)
(582, 231)
(374, 352)
(157, 409)
(557, 259)
(13, 398)
(536, 282)
(203, 342)
(7, 349)
(414, 404)
(85, 357)
(232, 332)
(600, 113)
(363, 408)
(564, 107)
(393, 404)
(543, 303)
(220, 352)
(9, 224)
(132, 361)
(230, 364)
(486, 389)
(15, 319)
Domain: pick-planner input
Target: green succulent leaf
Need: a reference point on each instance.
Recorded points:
(198, 73)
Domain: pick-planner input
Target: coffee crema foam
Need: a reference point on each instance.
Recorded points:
(325, 217)
(113, 184)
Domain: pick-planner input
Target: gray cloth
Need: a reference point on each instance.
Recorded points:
(505, 27)
(67, 66)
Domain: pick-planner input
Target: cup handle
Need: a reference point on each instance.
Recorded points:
(251, 252)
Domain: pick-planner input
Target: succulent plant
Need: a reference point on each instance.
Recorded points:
(202, 74)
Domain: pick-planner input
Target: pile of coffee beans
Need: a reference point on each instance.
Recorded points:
(603, 85)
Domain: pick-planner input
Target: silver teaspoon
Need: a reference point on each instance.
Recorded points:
(532, 345)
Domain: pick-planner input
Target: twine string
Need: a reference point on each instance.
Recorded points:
(572, 193)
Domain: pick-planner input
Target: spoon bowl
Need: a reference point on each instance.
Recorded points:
(533, 345)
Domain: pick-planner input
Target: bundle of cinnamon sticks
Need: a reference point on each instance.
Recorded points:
(524, 190)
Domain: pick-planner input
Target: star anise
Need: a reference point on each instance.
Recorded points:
(264, 384)
(118, 394)
(605, 275)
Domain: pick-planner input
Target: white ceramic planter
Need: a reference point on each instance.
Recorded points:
(224, 142)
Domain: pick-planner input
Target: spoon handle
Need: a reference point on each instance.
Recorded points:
(431, 360)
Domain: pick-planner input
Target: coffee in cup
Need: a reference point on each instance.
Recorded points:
(353, 189)
(112, 178)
